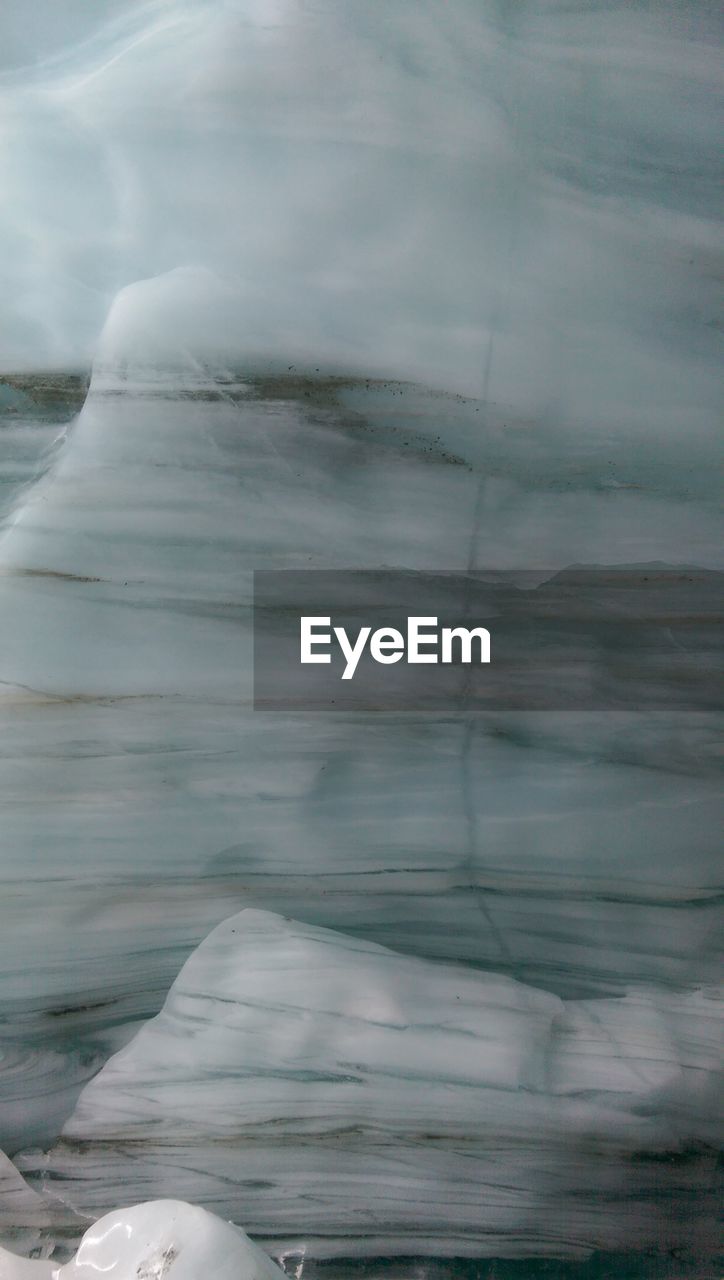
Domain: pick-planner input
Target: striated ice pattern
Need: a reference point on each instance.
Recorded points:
(293, 1067)
(314, 284)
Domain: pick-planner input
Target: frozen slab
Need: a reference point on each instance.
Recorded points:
(337, 1011)
(330, 1091)
(165, 1238)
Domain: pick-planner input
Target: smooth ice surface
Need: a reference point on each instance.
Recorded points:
(152, 1241)
(429, 1108)
(524, 189)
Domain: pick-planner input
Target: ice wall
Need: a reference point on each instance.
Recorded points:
(515, 196)
(548, 845)
(324, 1088)
(273, 228)
(576, 854)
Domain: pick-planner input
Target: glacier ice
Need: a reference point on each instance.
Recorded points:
(360, 285)
(24, 1217)
(144, 787)
(384, 191)
(152, 1241)
(429, 1108)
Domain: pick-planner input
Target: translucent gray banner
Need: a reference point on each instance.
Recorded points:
(579, 639)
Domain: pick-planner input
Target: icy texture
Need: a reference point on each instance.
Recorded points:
(23, 1213)
(133, 758)
(424, 1108)
(38, 1086)
(223, 205)
(383, 188)
(156, 802)
(34, 412)
(165, 1238)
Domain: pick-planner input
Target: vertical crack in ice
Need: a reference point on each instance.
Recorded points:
(468, 727)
